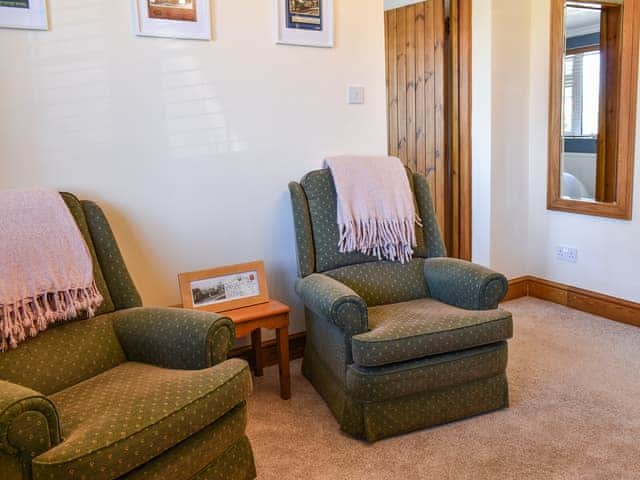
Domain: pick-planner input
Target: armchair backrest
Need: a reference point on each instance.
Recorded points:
(68, 353)
(314, 203)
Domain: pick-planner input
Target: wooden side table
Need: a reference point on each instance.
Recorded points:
(273, 315)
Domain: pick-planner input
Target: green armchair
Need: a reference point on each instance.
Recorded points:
(134, 393)
(394, 348)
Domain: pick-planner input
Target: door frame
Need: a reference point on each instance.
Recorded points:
(460, 38)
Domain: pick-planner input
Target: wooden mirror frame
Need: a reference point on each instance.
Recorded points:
(628, 95)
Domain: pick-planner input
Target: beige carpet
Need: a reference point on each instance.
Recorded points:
(575, 414)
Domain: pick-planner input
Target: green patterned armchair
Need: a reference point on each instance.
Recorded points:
(134, 393)
(394, 348)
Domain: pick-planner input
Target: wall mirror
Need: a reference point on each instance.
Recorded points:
(592, 115)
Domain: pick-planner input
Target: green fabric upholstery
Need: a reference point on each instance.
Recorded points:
(464, 284)
(334, 345)
(305, 250)
(121, 287)
(335, 301)
(390, 347)
(64, 355)
(374, 384)
(75, 207)
(420, 328)
(236, 463)
(174, 338)
(133, 413)
(434, 407)
(29, 422)
(144, 392)
(194, 454)
(431, 235)
(375, 420)
(384, 282)
(12, 467)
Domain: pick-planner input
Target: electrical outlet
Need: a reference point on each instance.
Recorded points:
(355, 95)
(567, 254)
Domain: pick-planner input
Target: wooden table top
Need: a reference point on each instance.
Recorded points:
(254, 312)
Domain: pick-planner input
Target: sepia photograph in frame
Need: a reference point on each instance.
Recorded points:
(173, 9)
(185, 19)
(224, 288)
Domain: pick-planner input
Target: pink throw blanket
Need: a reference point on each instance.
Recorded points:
(46, 272)
(376, 211)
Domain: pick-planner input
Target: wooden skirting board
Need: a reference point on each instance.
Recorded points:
(591, 302)
(584, 300)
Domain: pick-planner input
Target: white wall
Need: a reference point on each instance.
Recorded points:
(509, 211)
(481, 129)
(608, 250)
(188, 145)
(500, 134)
(510, 136)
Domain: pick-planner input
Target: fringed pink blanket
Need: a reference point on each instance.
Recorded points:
(46, 272)
(376, 211)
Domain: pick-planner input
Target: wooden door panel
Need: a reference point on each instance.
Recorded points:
(415, 93)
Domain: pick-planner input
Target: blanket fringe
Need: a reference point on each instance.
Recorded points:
(26, 317)
(383, 238)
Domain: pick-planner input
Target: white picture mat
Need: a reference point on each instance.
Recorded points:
(235, 285)
(34, 17)
(157, 27)
(296, 36)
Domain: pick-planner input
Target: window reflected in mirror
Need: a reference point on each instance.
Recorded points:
(590, 92)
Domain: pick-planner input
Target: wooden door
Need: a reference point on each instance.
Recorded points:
(415, 68)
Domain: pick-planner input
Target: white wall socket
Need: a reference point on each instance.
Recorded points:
(355, 95)
(567, 254)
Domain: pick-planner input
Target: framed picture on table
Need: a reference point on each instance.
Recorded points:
(29, 14)
(304, 22)
(189, 19)
(224, 288)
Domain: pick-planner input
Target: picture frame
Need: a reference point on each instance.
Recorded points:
(186, 19)
(306, 23)
(224, 288)
(24, 14)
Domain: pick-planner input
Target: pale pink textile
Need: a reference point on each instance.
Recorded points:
(376, 210)
(46, 272)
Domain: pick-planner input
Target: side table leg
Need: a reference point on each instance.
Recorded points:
(282, 338)
(256, 343)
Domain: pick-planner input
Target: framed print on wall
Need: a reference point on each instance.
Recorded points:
(172, 18)
(304, 22)
(30, 14)
(224, 288)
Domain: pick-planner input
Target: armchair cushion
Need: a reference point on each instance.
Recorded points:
(420, 328)
(174, 338)
(464, 284)
(333, 301)
(126, 416)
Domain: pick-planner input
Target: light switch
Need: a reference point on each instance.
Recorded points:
(355, 95)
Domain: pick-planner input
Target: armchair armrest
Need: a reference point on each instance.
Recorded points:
(29, 423)
(335, 301)
(464, 284)
(174, 338)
